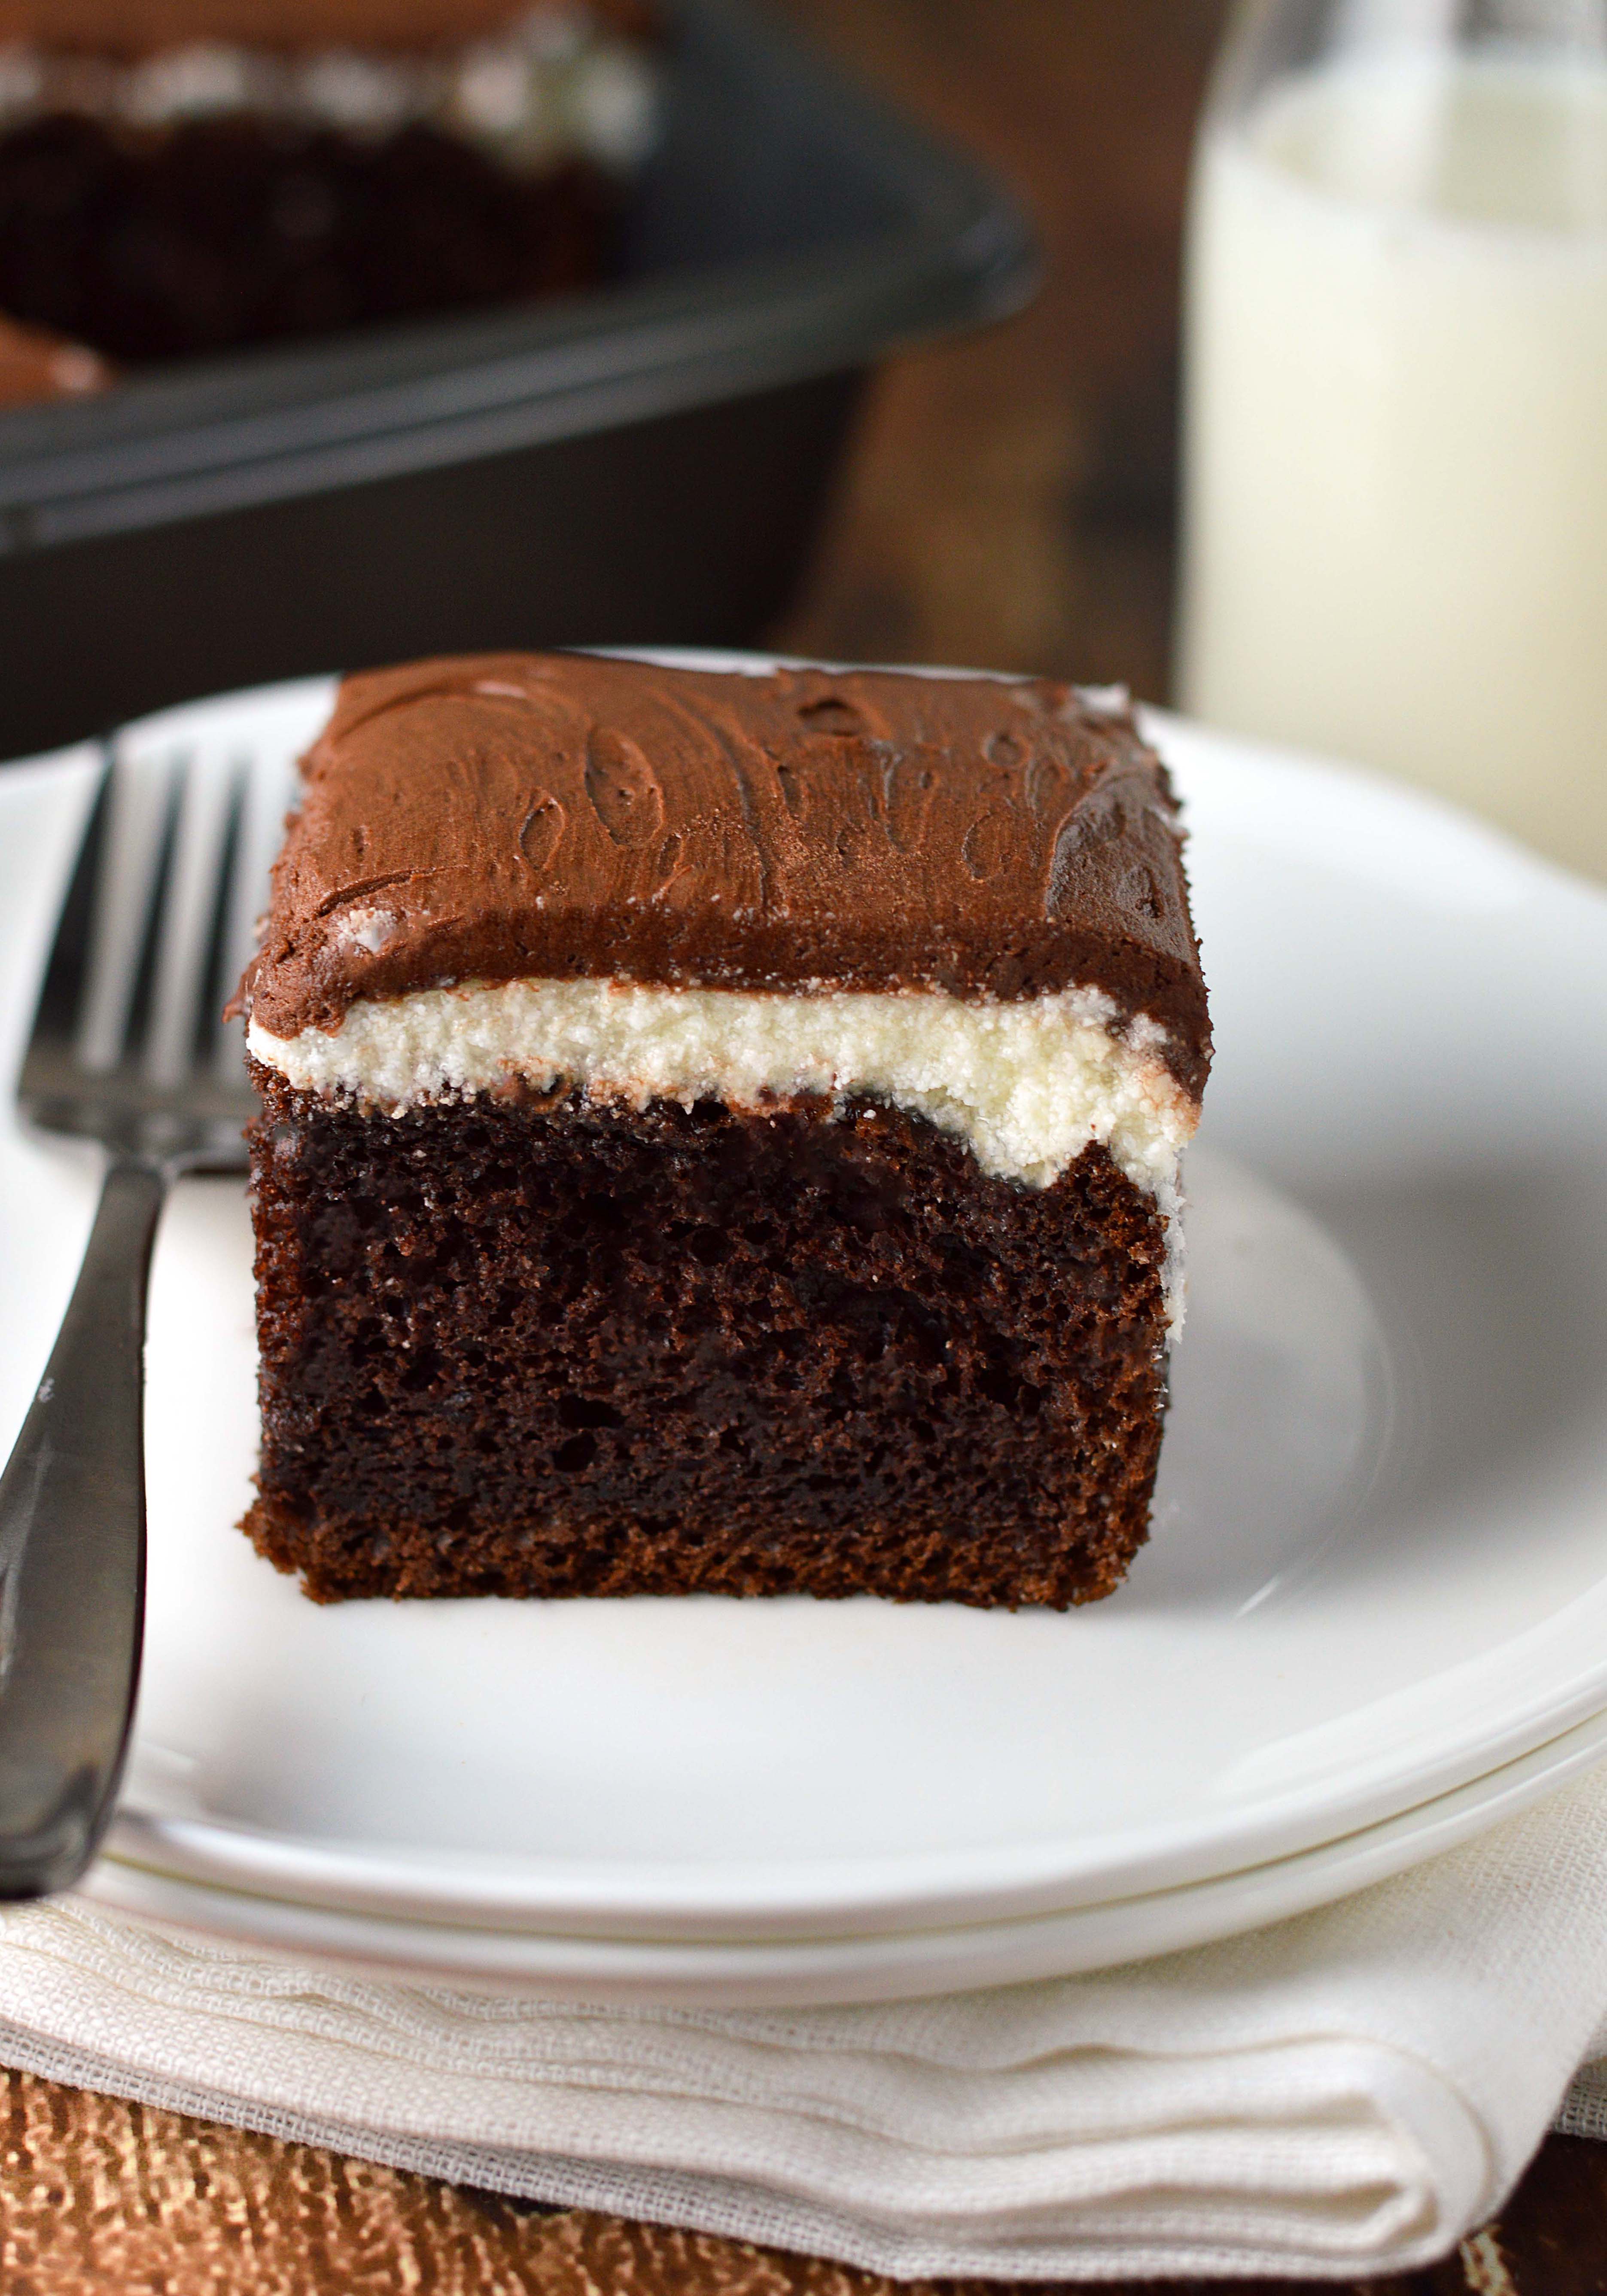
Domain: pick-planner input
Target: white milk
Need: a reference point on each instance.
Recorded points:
(1396, 542)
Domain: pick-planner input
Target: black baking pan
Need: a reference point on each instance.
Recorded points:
(644, 463)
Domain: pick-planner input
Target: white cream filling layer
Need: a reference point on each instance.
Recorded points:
(1027, 1085)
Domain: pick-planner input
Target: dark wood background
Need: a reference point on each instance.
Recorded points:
(1008, 504)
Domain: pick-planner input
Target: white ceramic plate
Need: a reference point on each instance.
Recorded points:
(1380, 1563)
(790, 1972)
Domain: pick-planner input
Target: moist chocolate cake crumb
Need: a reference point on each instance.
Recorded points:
(550, 1347)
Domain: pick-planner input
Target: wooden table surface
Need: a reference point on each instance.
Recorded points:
(1008, 504)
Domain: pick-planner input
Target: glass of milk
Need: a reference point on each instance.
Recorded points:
(1396, 430)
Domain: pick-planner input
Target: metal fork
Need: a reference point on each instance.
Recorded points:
(129, 1050)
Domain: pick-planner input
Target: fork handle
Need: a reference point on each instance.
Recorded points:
(72, 1557)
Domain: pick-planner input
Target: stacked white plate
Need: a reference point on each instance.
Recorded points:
(1372, 1620)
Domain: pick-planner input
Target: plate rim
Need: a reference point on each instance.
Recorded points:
(839, 1972)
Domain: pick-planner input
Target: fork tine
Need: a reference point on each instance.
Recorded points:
(189, 914)
(125, 882)
(270, 778)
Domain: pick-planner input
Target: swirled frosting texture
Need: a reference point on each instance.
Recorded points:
(564, 817)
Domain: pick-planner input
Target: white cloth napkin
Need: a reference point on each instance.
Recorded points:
(1344, 2093)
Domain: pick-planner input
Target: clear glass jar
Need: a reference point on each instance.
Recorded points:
(1395, 392)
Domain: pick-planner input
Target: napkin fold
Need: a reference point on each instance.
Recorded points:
(1344, 2093)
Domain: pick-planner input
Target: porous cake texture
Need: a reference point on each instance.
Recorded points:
(720, 1132)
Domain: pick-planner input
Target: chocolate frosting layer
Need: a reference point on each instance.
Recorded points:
(35, 364)
(496, 817)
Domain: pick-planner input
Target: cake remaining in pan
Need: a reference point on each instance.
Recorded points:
(182, 178)
(719, 1132)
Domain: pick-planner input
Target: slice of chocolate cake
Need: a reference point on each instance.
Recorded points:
(720, 1133)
